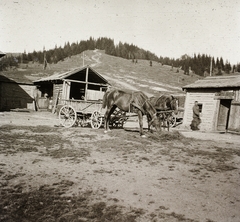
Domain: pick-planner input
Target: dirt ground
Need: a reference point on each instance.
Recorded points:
(52, 173)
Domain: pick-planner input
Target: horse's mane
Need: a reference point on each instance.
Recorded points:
(160, 102)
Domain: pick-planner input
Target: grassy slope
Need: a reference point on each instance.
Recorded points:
(119, 72)
(123, 73)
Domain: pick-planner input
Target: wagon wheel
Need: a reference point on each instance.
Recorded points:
(172, 121)
(96, 120)
(118, 118)
(67, 116)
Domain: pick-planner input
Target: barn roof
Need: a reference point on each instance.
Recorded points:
(2, 54)
(13, 77)
(232, 81)
(67, 75)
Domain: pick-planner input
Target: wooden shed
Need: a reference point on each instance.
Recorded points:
(16, 91)
(219, 103)
(78, 84)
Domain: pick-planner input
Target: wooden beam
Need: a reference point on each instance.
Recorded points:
(92, 83)
(86, 86)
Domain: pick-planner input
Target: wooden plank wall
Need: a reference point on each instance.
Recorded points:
(234, 118)
(15, 96)
(94, 95)
(209, 110)
(57, 88)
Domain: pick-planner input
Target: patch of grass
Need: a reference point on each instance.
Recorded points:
(34, 129)
(169, 137)
(15, 139)
(216, 159)
(49, 203)
(72, 154)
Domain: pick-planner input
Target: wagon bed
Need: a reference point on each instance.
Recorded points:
(81, 112)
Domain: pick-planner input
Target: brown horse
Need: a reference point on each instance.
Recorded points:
(136, 102)
(165, 103)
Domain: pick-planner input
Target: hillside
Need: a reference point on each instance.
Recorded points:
(121, 73)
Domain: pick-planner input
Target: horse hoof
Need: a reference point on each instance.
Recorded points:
(143, 136)
(105, 131)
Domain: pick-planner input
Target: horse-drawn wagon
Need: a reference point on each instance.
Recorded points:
(119, 106)
(78, 97)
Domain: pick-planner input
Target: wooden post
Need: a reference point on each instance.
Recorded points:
(55, 102)
(86, 86)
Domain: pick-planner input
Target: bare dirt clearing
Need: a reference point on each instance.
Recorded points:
(52, 173)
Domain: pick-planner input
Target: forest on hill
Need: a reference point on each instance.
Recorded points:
(198, 64)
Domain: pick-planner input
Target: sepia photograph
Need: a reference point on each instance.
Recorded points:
(119, 111)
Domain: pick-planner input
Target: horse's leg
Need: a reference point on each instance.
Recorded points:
(168, 121)
(165, 122)
(149, 125)
(140, 120)
(160, 121)
(107, 116)
(106, 119)
(168, 124)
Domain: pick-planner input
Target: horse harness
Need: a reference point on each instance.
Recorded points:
(134, 105)
(141, 108)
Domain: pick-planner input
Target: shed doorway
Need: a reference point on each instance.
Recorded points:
(223, 115)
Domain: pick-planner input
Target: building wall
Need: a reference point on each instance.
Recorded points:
(234, 119)
(210, 101)
(209, 110)
(13, 95)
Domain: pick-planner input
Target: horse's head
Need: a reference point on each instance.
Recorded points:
(174, 104)
(151, 111)
(155, 122)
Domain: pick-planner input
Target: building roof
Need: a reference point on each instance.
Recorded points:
(68, 74)
(231, 81)
(13, 77)
(2, 54)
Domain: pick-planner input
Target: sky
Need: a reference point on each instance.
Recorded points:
(168, 28)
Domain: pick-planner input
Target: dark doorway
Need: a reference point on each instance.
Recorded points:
(223, 115)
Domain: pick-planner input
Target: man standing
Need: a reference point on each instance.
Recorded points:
(196, 117)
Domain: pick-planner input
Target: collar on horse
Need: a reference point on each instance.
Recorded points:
(135, 105)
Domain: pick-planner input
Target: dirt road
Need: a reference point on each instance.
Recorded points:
(50, 173)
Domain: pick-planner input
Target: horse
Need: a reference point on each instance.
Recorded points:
(135, 101)
(165, 103)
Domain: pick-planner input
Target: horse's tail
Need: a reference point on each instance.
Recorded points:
(105, 99)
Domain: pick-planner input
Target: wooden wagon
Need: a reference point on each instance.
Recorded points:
(81, 99)
(81, 113)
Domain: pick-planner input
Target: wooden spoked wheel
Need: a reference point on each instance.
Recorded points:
(96, 120)
(118, 118)
(67, 116)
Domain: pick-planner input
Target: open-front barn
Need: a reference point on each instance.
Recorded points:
(219, 103)
(79, 84)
